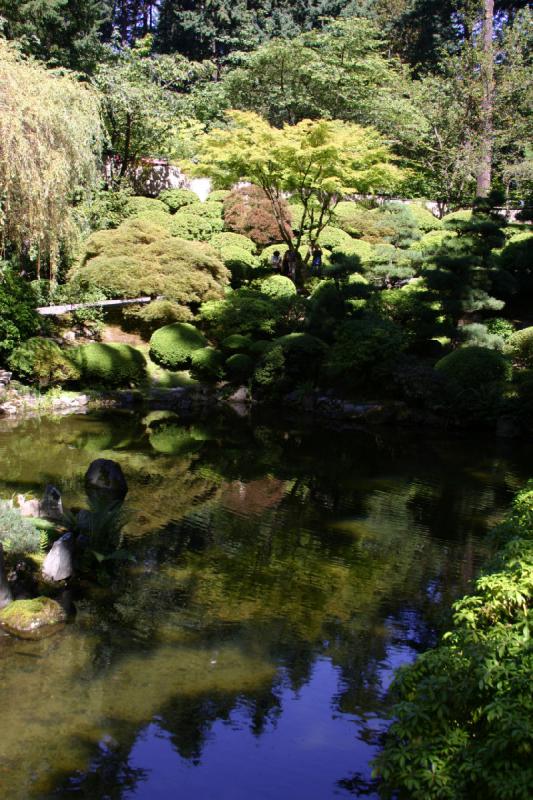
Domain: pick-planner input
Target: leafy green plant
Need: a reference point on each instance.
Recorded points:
(519, 347)
(18, 318)
(17, 534)
(463, 720)
(173, 345)
(175, 199)
(43, 363)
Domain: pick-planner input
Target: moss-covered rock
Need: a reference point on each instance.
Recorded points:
(30, 618)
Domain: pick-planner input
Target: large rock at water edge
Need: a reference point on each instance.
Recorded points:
(29, 619)
(51, 504)
(5, 591)
(106, 476)
(58, 563)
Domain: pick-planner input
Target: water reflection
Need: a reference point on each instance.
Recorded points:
(281, 575)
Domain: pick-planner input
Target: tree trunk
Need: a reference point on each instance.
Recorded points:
(487, 103)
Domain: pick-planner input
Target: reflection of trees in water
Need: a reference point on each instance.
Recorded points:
(277, 547)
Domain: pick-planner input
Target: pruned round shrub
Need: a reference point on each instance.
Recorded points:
(207, 364)
(236, 343)
(188, 225)
(277, 286)
(432, 240)
(209, 209)
(175, 199)
(332, 237)
(172, 346)
(303, 354)
(517, 258)
(42, 362)
(239, 366)
(352, 256)
(364, 349)
(109, 364)
(228, 239)
(240, 262)
(449, 220)
(145, 206)
(519, 347)
(425, 220)
(474, 367)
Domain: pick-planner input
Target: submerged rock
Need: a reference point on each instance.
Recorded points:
(6, 596)
(58, 563)
(106, 477)
(32, 618)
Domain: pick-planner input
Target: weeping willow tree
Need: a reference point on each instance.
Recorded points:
(50, 140)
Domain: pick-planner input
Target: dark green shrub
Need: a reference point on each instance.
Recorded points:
(519, 347)
(269, 374)
(412, 307)
(303, 355)
(18, 318)
(207, 364)
(239, 367)
(43, 363)
(109, 364)
(107, 209)
(175, 199)
(241, 263)
(236, 343)
(473, 367)
(246, 311)
(172, 346)
(364, 349)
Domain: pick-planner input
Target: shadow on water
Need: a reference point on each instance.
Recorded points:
(281, 575)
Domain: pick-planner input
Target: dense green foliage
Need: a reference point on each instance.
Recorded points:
(18, 319)
(42, 362)
(173, 345)
(474, 367)
(17, 534)
(109, 365)
(463, 721)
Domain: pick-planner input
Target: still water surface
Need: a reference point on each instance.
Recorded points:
(281, 575)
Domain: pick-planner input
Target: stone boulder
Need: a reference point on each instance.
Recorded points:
(58, 563)
(6, 596)
(105, 478)
(51, 504)
(29, 619)
(30, 507)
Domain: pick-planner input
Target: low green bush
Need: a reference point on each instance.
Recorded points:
(209, 209)
(276, 286)
(17, 534)
(303, 355)
(219, 195)
(175, 199)
(332, 237)
(519, 347)
(173, 345)
(517, 259)
(432, 240)
(207, 364)
(470, 368)
(456, 216)
(18, 318)
(364, 350)
(236, 343)
(476, 334)
(351, 256)
(239, 367)
(502, 327)
(248, 312)
(110, 365)
(228, 239)
(189, 225)
(425, 220)
(413, 308)
(241, 263)
(43, 363)
(145, 207)
(463, 719)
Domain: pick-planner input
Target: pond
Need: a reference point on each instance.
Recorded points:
(281, 574)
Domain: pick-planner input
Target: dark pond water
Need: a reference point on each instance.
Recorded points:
(281, 575)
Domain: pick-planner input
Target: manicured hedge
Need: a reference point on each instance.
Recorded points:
(172, 346)
(109, 364)
(472, 367)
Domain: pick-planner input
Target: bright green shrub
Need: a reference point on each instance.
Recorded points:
(17, 534)
(352, 256)
(207, 364)
(364, 349)
(519, 347)
(42, 362)
(145, 207)
(425, 220)
(246, 311)
(156, 314)
(413, 308)
(332, 237)
(236, 343)
(239, 367)
(389, 265)
(139, 258)
(219, 195)
(500, 326)
(174, 199)
(187, 224)
(474, 367)
(172, 346)
(277, 286)
(463, 719)
(393, 223)
(227, 239)
(209, 209)
(517, 259)
(269, 251)
(240, 262)
(456, 216)
(106, 209)
(432, 240)
(109, 364)
(18, 318)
